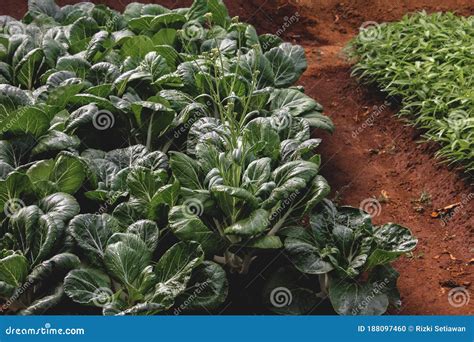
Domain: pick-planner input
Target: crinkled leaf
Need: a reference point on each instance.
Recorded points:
(88, 286)
(91, 233)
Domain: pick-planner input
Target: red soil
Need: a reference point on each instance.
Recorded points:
(371, 151)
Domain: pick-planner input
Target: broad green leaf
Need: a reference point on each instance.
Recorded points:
(36, 234)
(98, 45)
(12, 98)
(66, 174)
(207, 288)
(257, 173)
(144, 183)
(137, 46)
(79, 65)
(60, 205)
(220, 15)
(187, 226)
(136, 155)
(319, 190)
(12, 188)
(297, 55)
(175, 267)
(27, 69)
(318, 120)
(255, 61)
(186, 170)
(350, 298)
(167, 20)
(25, 228)
(91, 233)
(58, 265)
(256, 223)
(306, 257)
(292, 101)
(31, 119)
(129, 212)
(169, 54)
(147, 231)
(126, 259)
(88, 286)
(43, 7)
(55, 141)
(392, 241)
(295, 169)
(165, 36)
(142, 23)
(265, 242)
(13, 269)
(260, 132)
(283, 67)
(81, 33)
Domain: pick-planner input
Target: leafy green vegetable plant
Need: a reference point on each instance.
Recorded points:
(32, 261)
(427, 61)
(121, 277)
(143, 154)
(351, 257)
(237, 195)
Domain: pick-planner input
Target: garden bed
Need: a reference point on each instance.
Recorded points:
(371, 153)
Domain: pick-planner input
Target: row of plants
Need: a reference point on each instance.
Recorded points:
(148, 156)
(426, 61)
